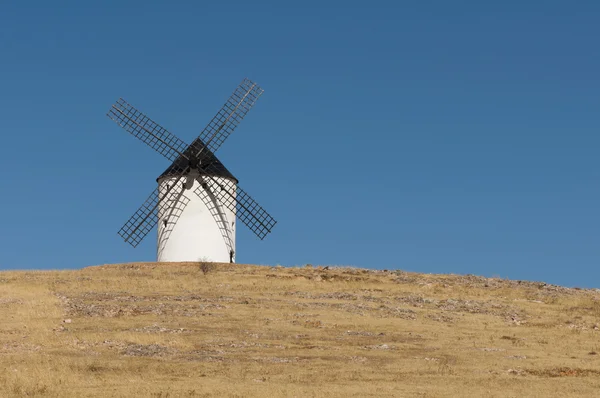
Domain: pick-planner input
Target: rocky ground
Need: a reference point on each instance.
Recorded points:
(238, 330)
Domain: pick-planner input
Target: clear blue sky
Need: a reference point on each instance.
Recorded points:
(437, 136)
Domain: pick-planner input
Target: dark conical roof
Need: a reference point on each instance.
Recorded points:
(211, 165)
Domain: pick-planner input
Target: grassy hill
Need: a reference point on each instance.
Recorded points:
(222, 330)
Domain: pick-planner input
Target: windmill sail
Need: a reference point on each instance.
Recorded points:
(146, 216)
(230, 115)
(253, 215)
(146, 130)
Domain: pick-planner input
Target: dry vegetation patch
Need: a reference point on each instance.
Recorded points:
(206, 329)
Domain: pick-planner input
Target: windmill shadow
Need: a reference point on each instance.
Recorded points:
(218, 214)
(168, 215)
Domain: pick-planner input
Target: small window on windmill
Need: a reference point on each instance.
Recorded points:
(164, 222)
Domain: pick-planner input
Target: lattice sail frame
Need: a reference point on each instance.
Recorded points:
(230, 115)
(171, 147)
(147, 215)
(146, 130)
(241, 204)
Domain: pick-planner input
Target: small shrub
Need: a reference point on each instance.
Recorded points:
(207, 267)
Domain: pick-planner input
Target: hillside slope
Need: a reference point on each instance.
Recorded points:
(171, 330)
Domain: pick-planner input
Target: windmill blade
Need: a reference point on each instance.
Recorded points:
(146, 217)
(146, 130)
(231, 114)
(238, 201)
(252, 214)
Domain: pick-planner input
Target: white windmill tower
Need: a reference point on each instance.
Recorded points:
(197, 199)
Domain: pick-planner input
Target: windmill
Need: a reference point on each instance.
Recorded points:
(197, 200)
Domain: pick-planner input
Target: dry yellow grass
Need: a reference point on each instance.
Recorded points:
(176, 330)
